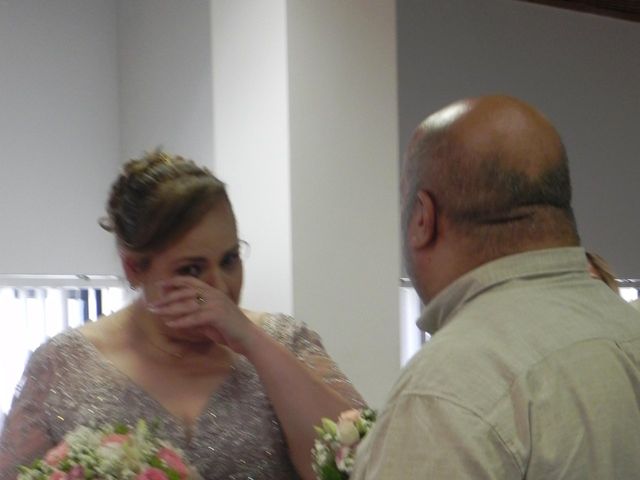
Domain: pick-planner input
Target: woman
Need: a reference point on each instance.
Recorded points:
(601, 270)
(238, 391)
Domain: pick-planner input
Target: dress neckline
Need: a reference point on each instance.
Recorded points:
(188, 430)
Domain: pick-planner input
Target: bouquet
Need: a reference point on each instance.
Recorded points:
(111, 453)
(334, 449)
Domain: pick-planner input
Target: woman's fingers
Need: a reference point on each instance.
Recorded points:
(176, 288)
(175, 296)
(193, 319)
(214, 335)
(182, 281)
(188, 303)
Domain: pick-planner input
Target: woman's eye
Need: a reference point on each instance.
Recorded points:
(190, 270)
(230, 260)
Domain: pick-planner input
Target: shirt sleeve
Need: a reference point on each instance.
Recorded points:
(25, 434)
(426, 437)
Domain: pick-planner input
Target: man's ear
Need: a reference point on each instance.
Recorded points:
(422, 230)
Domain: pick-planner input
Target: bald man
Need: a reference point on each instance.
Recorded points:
(533, 367)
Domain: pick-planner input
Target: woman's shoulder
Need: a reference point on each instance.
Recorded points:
(277, 324)
(104, 332)
(56, 350)
(294, 334)
(65, 340)
(50, 361)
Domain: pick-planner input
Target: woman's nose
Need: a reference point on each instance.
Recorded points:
(217, 279)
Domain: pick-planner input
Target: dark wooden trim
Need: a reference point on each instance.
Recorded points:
(622, 9)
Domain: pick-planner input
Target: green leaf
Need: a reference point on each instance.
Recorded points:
(121, 429)
(329, 426)
(172, 474)
(331, 472)
(154, 426)
(369, 414)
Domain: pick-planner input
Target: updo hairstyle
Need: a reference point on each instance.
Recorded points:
(157, 199)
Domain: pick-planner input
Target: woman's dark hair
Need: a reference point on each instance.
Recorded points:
(602, 270)
(157, 199)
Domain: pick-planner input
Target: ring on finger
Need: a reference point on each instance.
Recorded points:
(200, 300)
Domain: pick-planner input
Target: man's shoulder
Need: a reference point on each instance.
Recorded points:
(466, 371)
(489, 346)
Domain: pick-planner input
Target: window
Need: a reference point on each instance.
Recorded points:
(629, 289)
(411, 337)
(34, 308)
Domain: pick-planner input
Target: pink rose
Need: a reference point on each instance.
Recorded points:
(173, 461)
(58, 475)
(76, 473)
(57, 454)
(152, 474)
(117, 438)
(350, 416)
(342, 455)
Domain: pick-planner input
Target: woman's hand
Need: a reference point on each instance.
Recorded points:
(190, 303)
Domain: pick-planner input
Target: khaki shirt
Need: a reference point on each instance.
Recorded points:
(533, 372)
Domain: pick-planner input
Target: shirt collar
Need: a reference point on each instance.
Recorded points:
(522, 265)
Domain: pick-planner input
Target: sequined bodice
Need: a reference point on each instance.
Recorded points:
(237, 436)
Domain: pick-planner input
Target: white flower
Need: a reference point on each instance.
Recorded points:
(344, 460)
(111, 458)
(321, 453)
(112, 453)
(347, 433)
(336, 443)
(85, 437)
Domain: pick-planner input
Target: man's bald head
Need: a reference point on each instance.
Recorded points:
(497, 171)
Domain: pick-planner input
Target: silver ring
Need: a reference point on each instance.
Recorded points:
(200, 300)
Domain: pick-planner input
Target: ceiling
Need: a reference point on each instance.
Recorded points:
(624, 9)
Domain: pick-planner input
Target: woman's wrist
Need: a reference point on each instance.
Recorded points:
(256, 343)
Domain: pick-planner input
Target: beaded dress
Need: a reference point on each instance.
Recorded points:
(67, 382)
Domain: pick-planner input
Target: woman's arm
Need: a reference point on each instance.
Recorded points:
(302, 391)
(24, 436)
(297, 389)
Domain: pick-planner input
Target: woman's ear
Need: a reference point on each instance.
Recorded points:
(131, 267)
(422, 229)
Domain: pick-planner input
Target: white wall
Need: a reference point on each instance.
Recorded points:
(59, 134)
(165, 77)
(344, 183)
(84, 85)
(581, 70)
(251, 137)
(305, 126)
